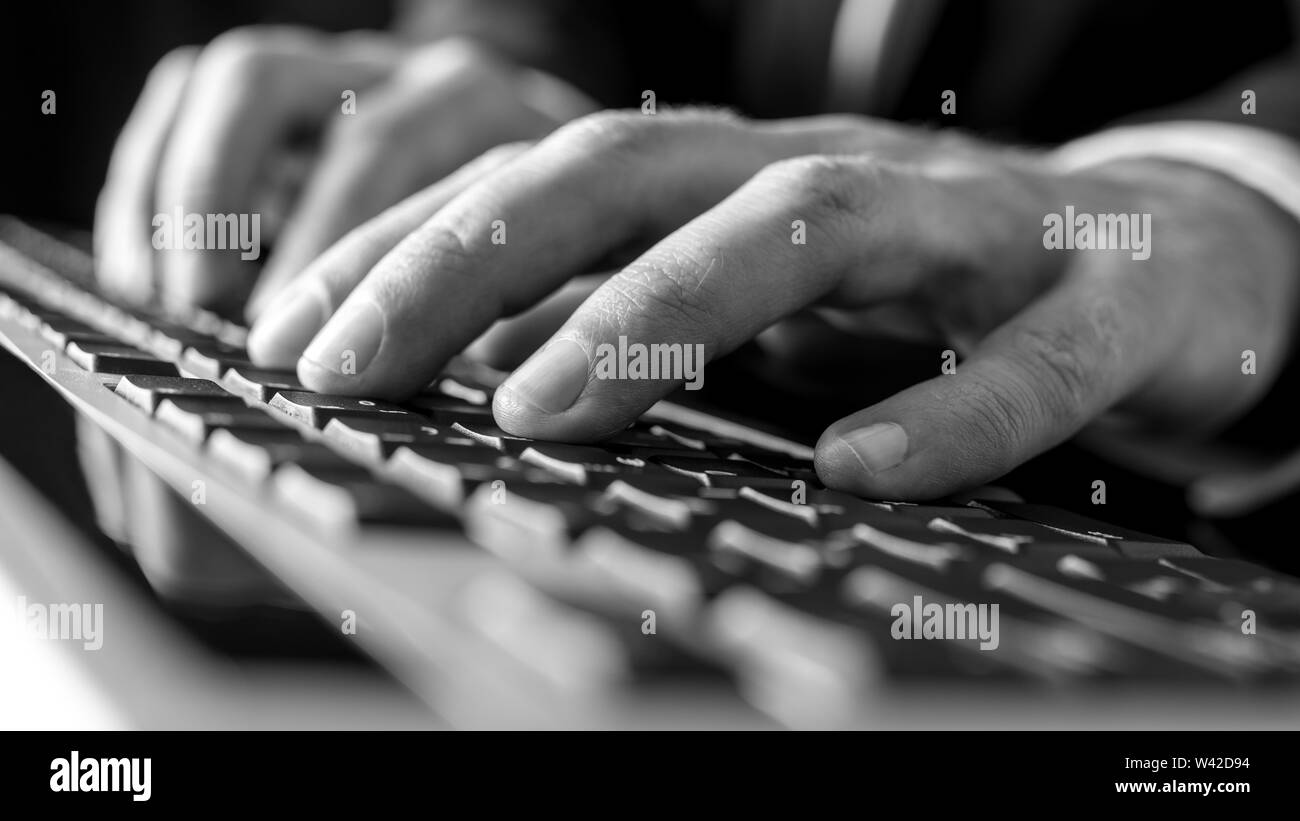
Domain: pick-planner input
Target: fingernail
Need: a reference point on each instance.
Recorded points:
(283, 332)
(878, 447)
(552, 378)
(350, 340)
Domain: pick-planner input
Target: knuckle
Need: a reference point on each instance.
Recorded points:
(611, 132)
(253, 55)
(241, 55)
(499, 154)
(457, 55)
(174, 63)
(826, 185)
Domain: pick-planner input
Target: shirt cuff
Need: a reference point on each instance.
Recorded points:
(1258, 159)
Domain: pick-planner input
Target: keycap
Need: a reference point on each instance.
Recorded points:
(580, 464)
(458, 390)
(332, 498)
(648, 569)
(1007, 535)
(316, 409)
(448, 409)
(654, 439)
(1021, 644)
(925, 513)
(798, 561)
(665, 504)
(146, 391)
(259, 384)
(485, 433)
(570, 648)
(524, 522)
(723, 472)
(60, 332)
(1131, 543)
(374, 439)
(807, 671)
(109, 358)
(212, 360)
(1218, 651)
(914, 544)
(256, 453)
(169, 340)
(197, 417)
(445, 473)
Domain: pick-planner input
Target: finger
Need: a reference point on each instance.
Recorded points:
(719, 281)
(250, 89)
(583, 192)
(444, 106)
(509, 341)
(293, 316)
(123, 254)
(1030, 385)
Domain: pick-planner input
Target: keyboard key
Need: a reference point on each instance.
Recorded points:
(147, 391)
(797, 561)
(647, 569)
(316, 409)
(445, 473)
(212, 360)
(457, 390)
(448, 409)
(169, 340)
(925, 513)
(255, 454)
(1130, 543)
(663, 505)
(333, 498)
(526, 522)
(804, 670)
(571, 649)
(1220, 652)
(197, 417)
(109, 358)
(485, 433)
(580, 464)
(1007, 535)
(60, 332)
(375, 439)
(259, 384)
(722, 472)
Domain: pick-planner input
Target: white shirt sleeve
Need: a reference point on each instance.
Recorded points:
(1258, 159)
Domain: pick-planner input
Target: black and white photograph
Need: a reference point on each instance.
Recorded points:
(922, 369)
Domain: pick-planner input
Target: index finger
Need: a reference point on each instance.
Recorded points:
(589, 189)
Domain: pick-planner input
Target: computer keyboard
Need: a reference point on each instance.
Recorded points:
(729, 546)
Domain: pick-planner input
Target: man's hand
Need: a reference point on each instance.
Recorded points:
(222, 130)
(905, 229)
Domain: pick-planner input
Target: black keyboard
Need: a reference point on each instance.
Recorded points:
(731, 550)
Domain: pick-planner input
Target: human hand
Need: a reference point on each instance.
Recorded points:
(905, 229)
(230, 128)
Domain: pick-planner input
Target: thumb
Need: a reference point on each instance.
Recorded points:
(1030, 385)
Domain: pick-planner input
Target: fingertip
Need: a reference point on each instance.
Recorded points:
(285, 329)
(317, 377)
(514, 414)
